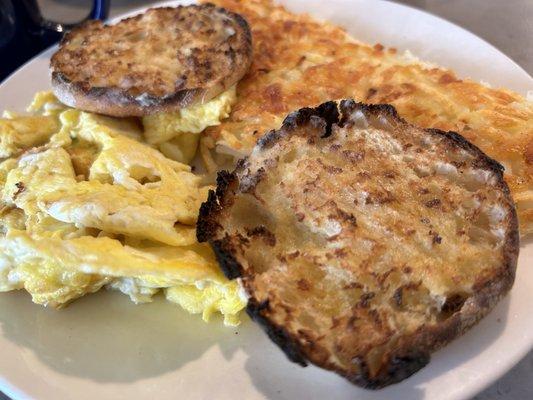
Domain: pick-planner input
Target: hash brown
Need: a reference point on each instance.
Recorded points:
(294, 52)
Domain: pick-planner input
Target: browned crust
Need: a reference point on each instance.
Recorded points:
(117, 102)
(426, 97)
(413, 351)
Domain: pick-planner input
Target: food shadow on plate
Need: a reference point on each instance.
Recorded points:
(127, 343)
(312, 383)
(526, 242)
(106, 338)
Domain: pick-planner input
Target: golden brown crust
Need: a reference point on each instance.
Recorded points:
(159, 61)
(291, 51)
(372, 352)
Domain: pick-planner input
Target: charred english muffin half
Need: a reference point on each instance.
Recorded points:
(159, 61)
(364, 243)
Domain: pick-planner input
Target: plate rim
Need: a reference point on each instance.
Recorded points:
(390, 3)
(472, 389)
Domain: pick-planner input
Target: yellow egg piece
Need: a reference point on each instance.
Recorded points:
(177, 134)
(85, 203)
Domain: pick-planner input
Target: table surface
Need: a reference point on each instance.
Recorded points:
(508, 25)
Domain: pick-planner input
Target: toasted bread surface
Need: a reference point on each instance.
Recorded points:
(161, 60)
(364, 242)
(295, 52)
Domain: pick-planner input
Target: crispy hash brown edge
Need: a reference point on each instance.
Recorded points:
(415, 351)
(117, 102)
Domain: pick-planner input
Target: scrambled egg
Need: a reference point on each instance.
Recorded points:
(86, 204)
(176, 135)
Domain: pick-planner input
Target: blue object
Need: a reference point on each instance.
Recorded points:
(24, 32)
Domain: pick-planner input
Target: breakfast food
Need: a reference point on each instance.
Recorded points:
(364, 243)
(162, 60)
(91, 200)
(174, 67)
(300, 62)
(85, 204)
(177, 134)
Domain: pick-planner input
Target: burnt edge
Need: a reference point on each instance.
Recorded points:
(206, 225)
(405, 361)
(276, 333)
(323, 117)
(223, 252)
(99, 99)
(400, 367)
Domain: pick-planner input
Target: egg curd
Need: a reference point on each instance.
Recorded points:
(86, 203)
(176, 135)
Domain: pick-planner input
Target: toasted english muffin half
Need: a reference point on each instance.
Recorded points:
(364, 243)
(159, 61)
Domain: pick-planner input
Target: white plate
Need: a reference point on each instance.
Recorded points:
(104, 347)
